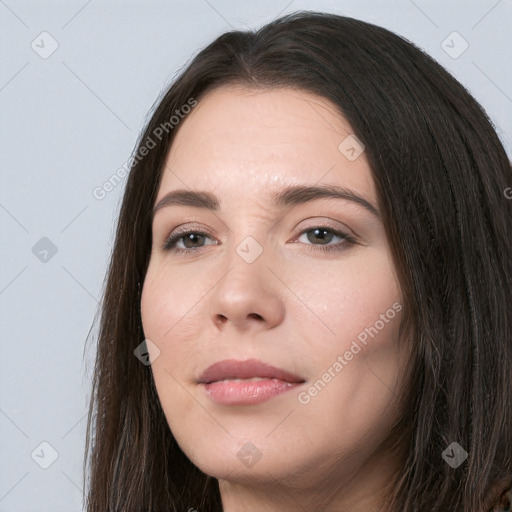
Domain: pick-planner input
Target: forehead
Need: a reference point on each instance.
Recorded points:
(240, 141)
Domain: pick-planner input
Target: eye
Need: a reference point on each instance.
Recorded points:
(324, 235)
(190, 240)
(193, 240)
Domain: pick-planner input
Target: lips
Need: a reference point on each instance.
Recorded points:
(231, 369)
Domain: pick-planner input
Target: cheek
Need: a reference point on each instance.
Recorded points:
(353, 342)
(355, 389)
(163, 318)
(167, 319)
(346, 301)
(174, 318)
(171, 303)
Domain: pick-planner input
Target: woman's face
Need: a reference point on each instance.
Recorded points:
(300, 280)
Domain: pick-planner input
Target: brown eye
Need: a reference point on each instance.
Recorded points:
(192, 240)
(324, 235)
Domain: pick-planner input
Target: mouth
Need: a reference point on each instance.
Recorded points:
(232, 382)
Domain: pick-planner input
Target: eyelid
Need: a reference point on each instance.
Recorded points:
(187, 228)
(325, 222)
(344, 235)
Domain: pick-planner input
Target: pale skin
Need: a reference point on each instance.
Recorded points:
(295, 306)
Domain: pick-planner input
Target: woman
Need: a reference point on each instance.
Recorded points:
(314, 245)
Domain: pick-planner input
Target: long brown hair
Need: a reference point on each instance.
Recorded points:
(440, 172)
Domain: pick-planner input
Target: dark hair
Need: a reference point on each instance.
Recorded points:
(440, 172)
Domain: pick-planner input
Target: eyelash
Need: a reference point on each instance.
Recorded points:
(170, 243)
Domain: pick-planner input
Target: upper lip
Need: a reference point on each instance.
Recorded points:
(233, 369)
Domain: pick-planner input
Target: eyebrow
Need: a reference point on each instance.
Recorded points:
(289, 196)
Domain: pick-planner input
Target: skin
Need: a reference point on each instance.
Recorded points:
(295, 307)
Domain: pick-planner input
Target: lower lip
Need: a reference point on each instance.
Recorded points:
(248, 392)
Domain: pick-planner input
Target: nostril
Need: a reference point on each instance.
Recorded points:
(221, 319)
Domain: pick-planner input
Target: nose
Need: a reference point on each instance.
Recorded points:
(249, 296)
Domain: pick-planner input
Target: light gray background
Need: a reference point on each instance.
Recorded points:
(69, 121)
